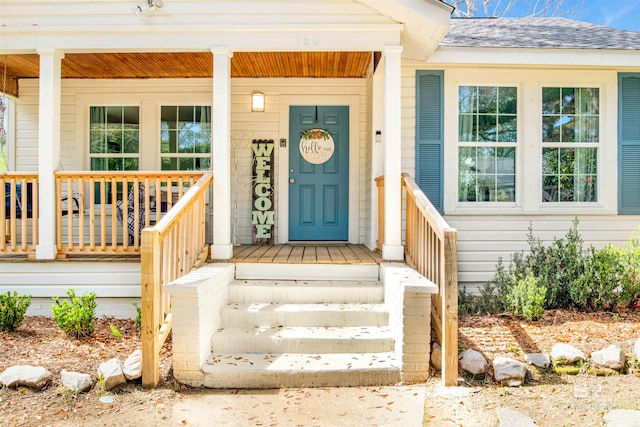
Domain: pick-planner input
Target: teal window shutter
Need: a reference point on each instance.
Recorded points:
(429, 135)
(629, 143)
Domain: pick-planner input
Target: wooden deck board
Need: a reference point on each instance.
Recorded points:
(322, 255)
(271, 253)
(283, 254)
(296, 255)
(301, 254)
(336, 255)
(309, 256)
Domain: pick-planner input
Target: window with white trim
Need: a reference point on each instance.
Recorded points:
(114, 135)
(185, 137)
(487, 140)
(570, 140)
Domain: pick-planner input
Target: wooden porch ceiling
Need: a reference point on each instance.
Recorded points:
(197, 64)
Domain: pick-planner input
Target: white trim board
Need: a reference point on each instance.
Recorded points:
(282, 186)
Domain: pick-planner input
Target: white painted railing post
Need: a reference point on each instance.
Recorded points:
(48, 148)
(392, 248)
(221, 153)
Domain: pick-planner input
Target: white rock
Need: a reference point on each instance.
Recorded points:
(76, 381)
(509, 371)
(35, 377)
(566, 353)
(510, 418)
(133, 366)
(111, 371)
(623, 418)
(473, 362)
(436, 356)
(611, 357)
(636, 349)
(538, 359)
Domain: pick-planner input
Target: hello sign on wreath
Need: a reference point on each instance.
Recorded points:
(316, 146)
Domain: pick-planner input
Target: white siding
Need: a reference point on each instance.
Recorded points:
(487, 233)
(77, 95)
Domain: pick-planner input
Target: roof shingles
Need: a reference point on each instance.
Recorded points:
(537, 33)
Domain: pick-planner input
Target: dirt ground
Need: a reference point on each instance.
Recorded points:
(550, 399)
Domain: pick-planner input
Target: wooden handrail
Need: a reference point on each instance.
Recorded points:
(431, 248)
(170, 249)
(104, 212)
(19, 212)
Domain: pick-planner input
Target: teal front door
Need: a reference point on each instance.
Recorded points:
(318, 173)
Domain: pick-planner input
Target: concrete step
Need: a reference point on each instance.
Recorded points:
(269, 315)
(346, 272)
(278, 340)
(244, 370)
(306, 291)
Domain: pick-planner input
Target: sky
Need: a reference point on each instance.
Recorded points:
(623, 14)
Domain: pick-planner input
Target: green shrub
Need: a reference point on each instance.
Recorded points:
(556, 265)
(12, 309)
(527, 298)
(630, 278)
(76, 316)
(138, 318)
(599, 286)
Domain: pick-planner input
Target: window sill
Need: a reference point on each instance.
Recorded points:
(576, 209)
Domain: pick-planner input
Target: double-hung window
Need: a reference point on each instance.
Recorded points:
(570, 140)
(114, 133)
(185, 138)
(487, 139)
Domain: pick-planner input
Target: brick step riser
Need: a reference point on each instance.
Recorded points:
(245, 294)
(271, 345)
(233, 317)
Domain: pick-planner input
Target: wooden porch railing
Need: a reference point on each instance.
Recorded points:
(19, 213)
(170, 249)
(431, 247)
(105, 212)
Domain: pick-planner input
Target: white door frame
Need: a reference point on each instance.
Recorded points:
(282, 187)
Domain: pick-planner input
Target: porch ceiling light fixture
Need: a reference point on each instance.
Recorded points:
(257, 101)
(150, 6)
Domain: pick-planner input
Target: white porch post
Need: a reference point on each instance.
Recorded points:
(48, 149)
(221, 152)
(392, 248)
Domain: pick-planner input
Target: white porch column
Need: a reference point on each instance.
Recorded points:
(392, 248)
(221, 152)
(48, 149)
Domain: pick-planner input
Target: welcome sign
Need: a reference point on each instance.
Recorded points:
(262, 215)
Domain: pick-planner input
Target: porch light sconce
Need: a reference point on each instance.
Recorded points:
(257, 101)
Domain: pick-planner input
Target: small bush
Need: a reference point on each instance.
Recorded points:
(598, 287)
(12, 310)
(527, 298)
(76, 316)
(138, 318)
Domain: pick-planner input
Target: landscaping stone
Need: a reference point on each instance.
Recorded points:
(75, 381)
(623, 418)
(132, 368)
(611, 357)
(111, 370)
(473, 362)
(509, 371)
(636, 349)
(538, 359)
(35, 377)
(436, 356)
(566, 354)
(510, 418)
